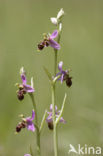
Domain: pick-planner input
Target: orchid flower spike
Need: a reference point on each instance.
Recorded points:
(49, 119)
(24, 87)
(64, 75)
(26, 123)
(49, 41)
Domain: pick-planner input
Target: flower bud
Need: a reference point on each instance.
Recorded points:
(60, 26)
(60, 14)
(54, 20)
(32, 83)
(22, 71)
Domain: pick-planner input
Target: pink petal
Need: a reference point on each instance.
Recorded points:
(23, 77)
(28, 88)
(62, 120)
(27, 155)
(60, 65)
(31, 127)
(33, 115)
(54, 44)
(54, 34)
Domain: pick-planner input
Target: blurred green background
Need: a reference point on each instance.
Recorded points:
(22, 23)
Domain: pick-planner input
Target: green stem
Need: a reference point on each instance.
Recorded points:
(43, 121)
(61, 112)
(54, 123)
(53, 101)
(56, 54)
(55, 58)
(31, 152)
(55, 140)
(37, 126)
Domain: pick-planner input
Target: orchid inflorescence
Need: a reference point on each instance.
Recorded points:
(49, 41)
(49, 119)
(23, 88)
(54, 116)
(64, 75)
(27, 122)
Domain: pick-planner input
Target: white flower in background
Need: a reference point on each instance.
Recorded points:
(60, 13)
(57, 20)
(54, 20)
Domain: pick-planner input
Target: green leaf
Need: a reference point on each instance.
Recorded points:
(48, 73)
(31, 152)
(56, 78)
(61, 112)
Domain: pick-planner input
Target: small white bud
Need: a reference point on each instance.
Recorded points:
(60, 26)
(22, 71)
(54, 20)
(32, 83)
(60, 14)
